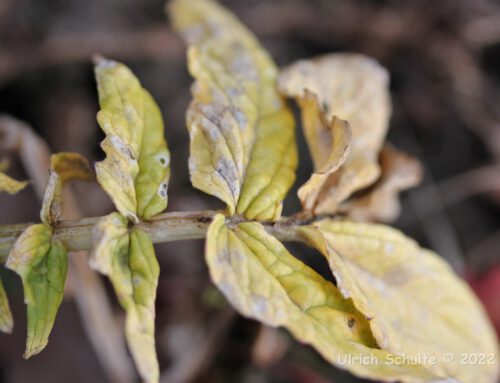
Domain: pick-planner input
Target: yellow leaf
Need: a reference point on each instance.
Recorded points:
(136, 169)
(330, 150)
(243, 148)
(353, 88)
(128, 259)
(64, 167)
(400, 171)
(10, 185)
(42, 263)
(417, 305)
(6, 321)
(263, 281)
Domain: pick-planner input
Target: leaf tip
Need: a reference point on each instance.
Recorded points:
(102, 62)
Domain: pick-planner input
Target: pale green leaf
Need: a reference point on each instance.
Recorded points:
(243, 148)
(417, 305)
(64, 167)
(6, 320)
(262, 280)
(10, 185)
(42, 263)
(128, 259)
(136, 169)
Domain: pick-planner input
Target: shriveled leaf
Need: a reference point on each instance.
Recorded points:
(6, 320)
(42, 263)
(136, 169)
(400, 171)
(128, 259)
(64, 167)
(243, 148)
(262, 280)
(329, 142)
(417, 305)
(10, 185)
(353, 88)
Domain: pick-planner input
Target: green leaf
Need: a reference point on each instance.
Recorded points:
(417, 306)
(136, 169)
(64, 167)
(10, 185)
(128, 259)
(42, 263)
(6, 320)
(243, 148)
(262, 280)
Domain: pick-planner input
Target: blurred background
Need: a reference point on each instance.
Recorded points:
(444, 61)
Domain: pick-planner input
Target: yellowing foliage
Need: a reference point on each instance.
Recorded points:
(243, 148)
(128, 259)
(417, 306)
(136, 169)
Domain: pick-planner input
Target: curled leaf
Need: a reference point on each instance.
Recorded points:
(262, 280)
(10, 185)
(128, 259)
(64, 167)
(6, 320)
(136, 169)
(353, 88)
(418, 307)
(42, 263)
(243, 148)
(400, 171)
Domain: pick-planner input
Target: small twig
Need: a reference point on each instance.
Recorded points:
(76, 235)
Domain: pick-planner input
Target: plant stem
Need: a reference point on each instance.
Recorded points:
(76, 235)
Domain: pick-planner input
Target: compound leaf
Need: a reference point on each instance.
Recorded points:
(417, 306)
(128, 259)
(42, 263)
(262, 280)
(64, 167)
(243, 148)
(10, 185)
(6, 320)
(353, 88)
(136, 169)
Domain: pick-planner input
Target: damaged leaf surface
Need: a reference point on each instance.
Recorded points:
(262, 280)
(64, 167)
(400, 171)
(128, 259)
(353, 88)
(136, 169)
(10, 185)
(242, 147)
(417, 305)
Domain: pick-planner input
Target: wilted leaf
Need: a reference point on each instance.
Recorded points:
(6, 321)
(417, 305)
(64, 167)
(262, 280)
(243, 148)
(42, 263)
(10, 185)
(329, 142)
(136, 169)
(353, 88)
(128, 259)
(400, 171)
